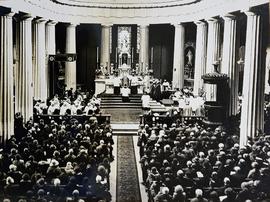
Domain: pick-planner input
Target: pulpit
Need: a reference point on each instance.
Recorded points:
(215, 111)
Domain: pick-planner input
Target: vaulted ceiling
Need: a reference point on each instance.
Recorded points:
(130, 11)
(125, 4)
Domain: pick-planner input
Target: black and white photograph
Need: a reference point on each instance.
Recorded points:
(134, 100)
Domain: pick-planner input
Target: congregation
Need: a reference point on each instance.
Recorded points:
(66, 161)
(190, 162)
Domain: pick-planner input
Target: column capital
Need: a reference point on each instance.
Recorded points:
(40, 20)
(199, 22)
(73, 24)
(52, 22)
(143, 26)
(228, 16)
(250, 13)
(178, 25)
(27, 17)
(212, 20)
(106, 25)
(10, 14)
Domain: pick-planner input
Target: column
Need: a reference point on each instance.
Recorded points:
(24, 87)
(70, 68)
(200, 56)
(50, 50)
(105, 47)
(267, 72)
(144, 49)
(39, 61)
(252, 116)
(179, 56)
(6, 79)
(213, 53)
(229, 62)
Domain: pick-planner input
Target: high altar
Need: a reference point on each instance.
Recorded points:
(124, 56)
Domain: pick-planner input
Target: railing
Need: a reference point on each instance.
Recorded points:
(146, 119)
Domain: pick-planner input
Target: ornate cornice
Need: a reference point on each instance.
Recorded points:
(140, 5)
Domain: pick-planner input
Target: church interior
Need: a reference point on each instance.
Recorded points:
(134, 101)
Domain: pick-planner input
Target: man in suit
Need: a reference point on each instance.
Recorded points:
(199, 196)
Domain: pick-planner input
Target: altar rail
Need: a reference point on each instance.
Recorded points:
(101, 118)
(149, 119)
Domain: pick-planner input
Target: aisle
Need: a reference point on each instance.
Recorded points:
(127, 176)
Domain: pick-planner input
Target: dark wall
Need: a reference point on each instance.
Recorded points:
(60, 36)
(241, 42)
(88, 39)
(161, 38)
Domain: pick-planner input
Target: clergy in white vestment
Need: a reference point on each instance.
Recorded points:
(165, 85)
(187, 110)
(116, 84)
(64, 108)
(145, 101)
(52, 108)
(90, 109)
(125, 91)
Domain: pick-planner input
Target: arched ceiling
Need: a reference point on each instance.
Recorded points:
(125, 4)
(129, 11)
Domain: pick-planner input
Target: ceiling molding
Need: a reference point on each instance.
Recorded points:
(150, 4)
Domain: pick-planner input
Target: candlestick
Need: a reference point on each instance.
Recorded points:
(132, 55)
(97, 54)
(116, 53)
(152, 54)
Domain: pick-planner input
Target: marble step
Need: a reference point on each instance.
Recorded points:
(125, 128)
(119, 98)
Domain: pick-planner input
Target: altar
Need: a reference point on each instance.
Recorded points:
(108, 84)
(124, 70)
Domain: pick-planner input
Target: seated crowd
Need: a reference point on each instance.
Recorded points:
(70, 104)
(190, 162)
(66, 161)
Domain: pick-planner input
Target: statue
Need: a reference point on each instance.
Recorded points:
(190, 57)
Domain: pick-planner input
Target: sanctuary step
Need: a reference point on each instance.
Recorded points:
(115, 101)
(122, 112)
(125, 128)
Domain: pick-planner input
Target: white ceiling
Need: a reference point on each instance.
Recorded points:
(125, 3)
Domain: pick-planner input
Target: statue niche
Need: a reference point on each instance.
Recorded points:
(124, 58)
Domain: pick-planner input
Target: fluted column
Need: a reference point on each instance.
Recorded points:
(39, 63)
(144, 49)
(229, 62)
(213, 53)
(179, 56)
(252, 116)
(50, 50)
(24, 83)
(70, 68)
(6, 79)
(105, 46)
(267, 70)
(200, 56)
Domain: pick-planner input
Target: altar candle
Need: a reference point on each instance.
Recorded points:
(97, 54)
(116, 53)
(152, 54)
(132, 52)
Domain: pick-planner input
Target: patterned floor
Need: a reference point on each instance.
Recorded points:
(127, 179)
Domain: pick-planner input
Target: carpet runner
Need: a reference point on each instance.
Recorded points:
(128, 189)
